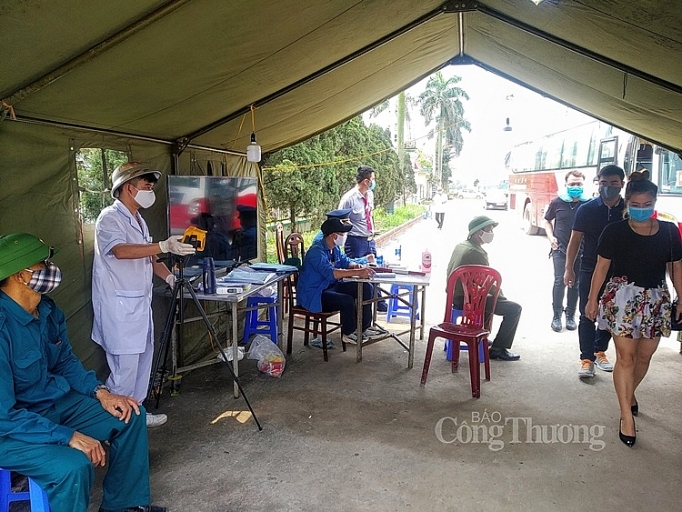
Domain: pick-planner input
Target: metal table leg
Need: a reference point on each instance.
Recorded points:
(235, 348)
(358, 315)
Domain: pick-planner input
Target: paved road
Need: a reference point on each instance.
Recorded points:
(523, 261)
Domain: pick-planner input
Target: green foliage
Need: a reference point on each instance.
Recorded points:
(93, 184)
(441, 102)
(309, 178)
(386, 221)
(382, 220)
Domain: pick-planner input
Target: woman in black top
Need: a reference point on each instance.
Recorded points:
(635, 305)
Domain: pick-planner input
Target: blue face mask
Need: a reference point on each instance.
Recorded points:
(372, 184)
(640, 214)
(574, 191)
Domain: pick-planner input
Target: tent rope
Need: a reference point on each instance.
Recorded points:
(6, 108)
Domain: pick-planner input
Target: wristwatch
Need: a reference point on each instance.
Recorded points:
(93, 393)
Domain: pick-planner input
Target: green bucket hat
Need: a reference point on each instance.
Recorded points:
(479, 223)
(21, 250)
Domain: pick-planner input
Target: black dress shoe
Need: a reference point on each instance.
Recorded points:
(627, 440)
(570, 323)
(503, 354)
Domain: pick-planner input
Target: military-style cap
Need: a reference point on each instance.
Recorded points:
(334, 225)
(480, 222)
(21, 250)
(341, 213)
(128, 171)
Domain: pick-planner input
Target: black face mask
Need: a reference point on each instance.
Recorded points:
(608, 192)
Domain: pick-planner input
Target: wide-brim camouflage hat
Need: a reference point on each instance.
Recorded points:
(21, 250)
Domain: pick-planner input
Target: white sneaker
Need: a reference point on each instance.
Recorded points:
(374, 330)
(156, 420)
(602, 363)
(586, 369)
(352, 338)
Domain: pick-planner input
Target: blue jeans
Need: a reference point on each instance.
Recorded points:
(591, 339)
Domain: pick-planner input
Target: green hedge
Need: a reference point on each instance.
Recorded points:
(383, 222)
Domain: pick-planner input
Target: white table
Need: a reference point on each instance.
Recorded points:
(419, 283)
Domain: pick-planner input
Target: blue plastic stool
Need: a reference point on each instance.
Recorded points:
(456, 315)
(35, 494)
(254, 325)
(397, 308)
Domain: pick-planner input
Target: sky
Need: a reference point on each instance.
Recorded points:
(492, 100)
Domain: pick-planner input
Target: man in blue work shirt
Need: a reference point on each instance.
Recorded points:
(343, 214)
(590, 220)
(320, 288)
(53, 413)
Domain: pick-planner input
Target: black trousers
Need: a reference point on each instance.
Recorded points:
(440, 217)
(510, 313)
(341, 297)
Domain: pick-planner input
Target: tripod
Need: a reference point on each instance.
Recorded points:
(159, 369)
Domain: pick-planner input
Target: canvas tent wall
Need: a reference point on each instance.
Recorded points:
(39, 194)
(208, 72)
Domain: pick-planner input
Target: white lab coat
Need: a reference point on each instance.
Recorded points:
(121, 289)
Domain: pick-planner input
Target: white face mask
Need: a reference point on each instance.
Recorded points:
(340, 240)
(487, 237)
(145, 198)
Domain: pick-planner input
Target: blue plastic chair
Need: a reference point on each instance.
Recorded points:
(397, 308)
(254, 325)
(455, 318)
(35, 494)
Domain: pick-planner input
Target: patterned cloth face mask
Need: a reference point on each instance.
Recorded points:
(46, 279)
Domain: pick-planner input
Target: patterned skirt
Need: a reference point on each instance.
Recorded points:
(634, 312)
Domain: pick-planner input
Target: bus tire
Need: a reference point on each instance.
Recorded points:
(528, 227)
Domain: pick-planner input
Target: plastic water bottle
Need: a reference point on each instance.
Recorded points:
(426, 261)
(209, 276)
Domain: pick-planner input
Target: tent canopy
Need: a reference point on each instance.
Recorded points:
(207, 72)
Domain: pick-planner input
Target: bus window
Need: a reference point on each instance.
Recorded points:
(670, 172)
(608, 152)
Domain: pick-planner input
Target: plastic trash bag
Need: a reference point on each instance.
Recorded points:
(270, 358)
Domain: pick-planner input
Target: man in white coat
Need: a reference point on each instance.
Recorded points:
(122, 272)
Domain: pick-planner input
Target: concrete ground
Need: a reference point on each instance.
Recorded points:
(343, 436)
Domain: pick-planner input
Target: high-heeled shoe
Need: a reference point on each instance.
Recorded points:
(635, 409)
(627, 440)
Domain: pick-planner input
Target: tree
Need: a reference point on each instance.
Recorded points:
(94, 167)
(308, 178)
(441, 102)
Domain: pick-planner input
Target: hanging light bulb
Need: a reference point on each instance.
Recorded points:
(253, 150)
